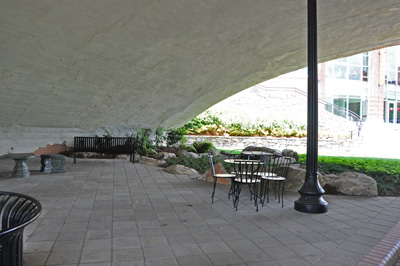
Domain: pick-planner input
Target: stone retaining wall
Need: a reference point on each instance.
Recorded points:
(325, 146)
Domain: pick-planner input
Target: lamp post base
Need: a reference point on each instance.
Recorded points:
(311, 204)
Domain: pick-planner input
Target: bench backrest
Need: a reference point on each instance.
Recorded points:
(103, 144)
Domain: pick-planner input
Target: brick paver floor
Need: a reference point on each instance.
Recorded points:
(113, 212)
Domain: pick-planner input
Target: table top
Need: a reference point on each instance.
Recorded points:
(256, 153)
(238, 161)
(20, 156)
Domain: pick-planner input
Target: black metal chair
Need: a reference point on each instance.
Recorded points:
(246, 174)
(276, 168)
(217, 176)
(16, 212)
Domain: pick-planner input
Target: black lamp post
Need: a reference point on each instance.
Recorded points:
(311, 192)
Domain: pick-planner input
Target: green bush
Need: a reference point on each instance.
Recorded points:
(206, 124)
(203, 147)
(200, 164)
(386, 172)
(159, 137)
(142, 141)
(175, 136)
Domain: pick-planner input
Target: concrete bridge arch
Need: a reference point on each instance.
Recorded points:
(70, 67)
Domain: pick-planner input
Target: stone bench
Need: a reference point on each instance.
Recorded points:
(17, 211)
(52, 163)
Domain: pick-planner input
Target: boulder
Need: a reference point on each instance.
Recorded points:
(186, 154)
(215, 152)
(122, 156)
(351, 183)
(180, 170)
(296, 176)
(219, 169)
(152, 161)
(164, 155)
(291, 153)
(266, 149)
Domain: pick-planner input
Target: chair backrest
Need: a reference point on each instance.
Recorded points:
(271, 164)
(247, 170)
(283, 169)
(210, 158)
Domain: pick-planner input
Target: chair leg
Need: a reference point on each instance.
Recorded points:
(275, 189)
(237, 194)
(256, 195)
(283, 190)
(279, 191)
(230, 190)
(251, 192)
(212, 195)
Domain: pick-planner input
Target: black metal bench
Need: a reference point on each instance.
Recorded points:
(16, 212)
(114, 145)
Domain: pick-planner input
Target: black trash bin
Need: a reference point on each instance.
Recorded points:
(16, 212)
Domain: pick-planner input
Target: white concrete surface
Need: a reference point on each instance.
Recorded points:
(68, 66)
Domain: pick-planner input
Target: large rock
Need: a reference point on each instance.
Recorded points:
(351, 183)
(265, 149)
(152, 161)
(122, 156)
(180, 170)
(186, 154)
(291, 153)
(219, 169)
(164, 155)
(215, 152)
(296, 176)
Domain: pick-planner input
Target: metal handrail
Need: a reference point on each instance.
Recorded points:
(352, 116)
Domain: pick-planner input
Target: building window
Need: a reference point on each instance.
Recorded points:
(350, 68)
(392, 85)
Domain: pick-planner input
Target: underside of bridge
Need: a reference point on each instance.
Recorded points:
(73, 67)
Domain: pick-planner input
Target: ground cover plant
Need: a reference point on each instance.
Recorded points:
(386, 172)
(209, 124)
(200, 164)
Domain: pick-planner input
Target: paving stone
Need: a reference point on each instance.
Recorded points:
(96, 256)
(61, 258)
(196, 260)
(102, 215)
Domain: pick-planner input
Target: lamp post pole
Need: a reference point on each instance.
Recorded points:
(311, 192)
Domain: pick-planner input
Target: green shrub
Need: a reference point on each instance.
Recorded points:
(159, 137)
(142, 141)
(203, 147)
(200, 164)
(175, 136)
(206, 124)
(189, 148)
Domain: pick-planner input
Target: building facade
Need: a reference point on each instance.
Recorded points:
(366, 84)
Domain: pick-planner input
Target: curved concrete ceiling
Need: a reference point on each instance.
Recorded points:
(124, 63)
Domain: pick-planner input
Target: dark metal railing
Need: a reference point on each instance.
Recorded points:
(332, 108)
